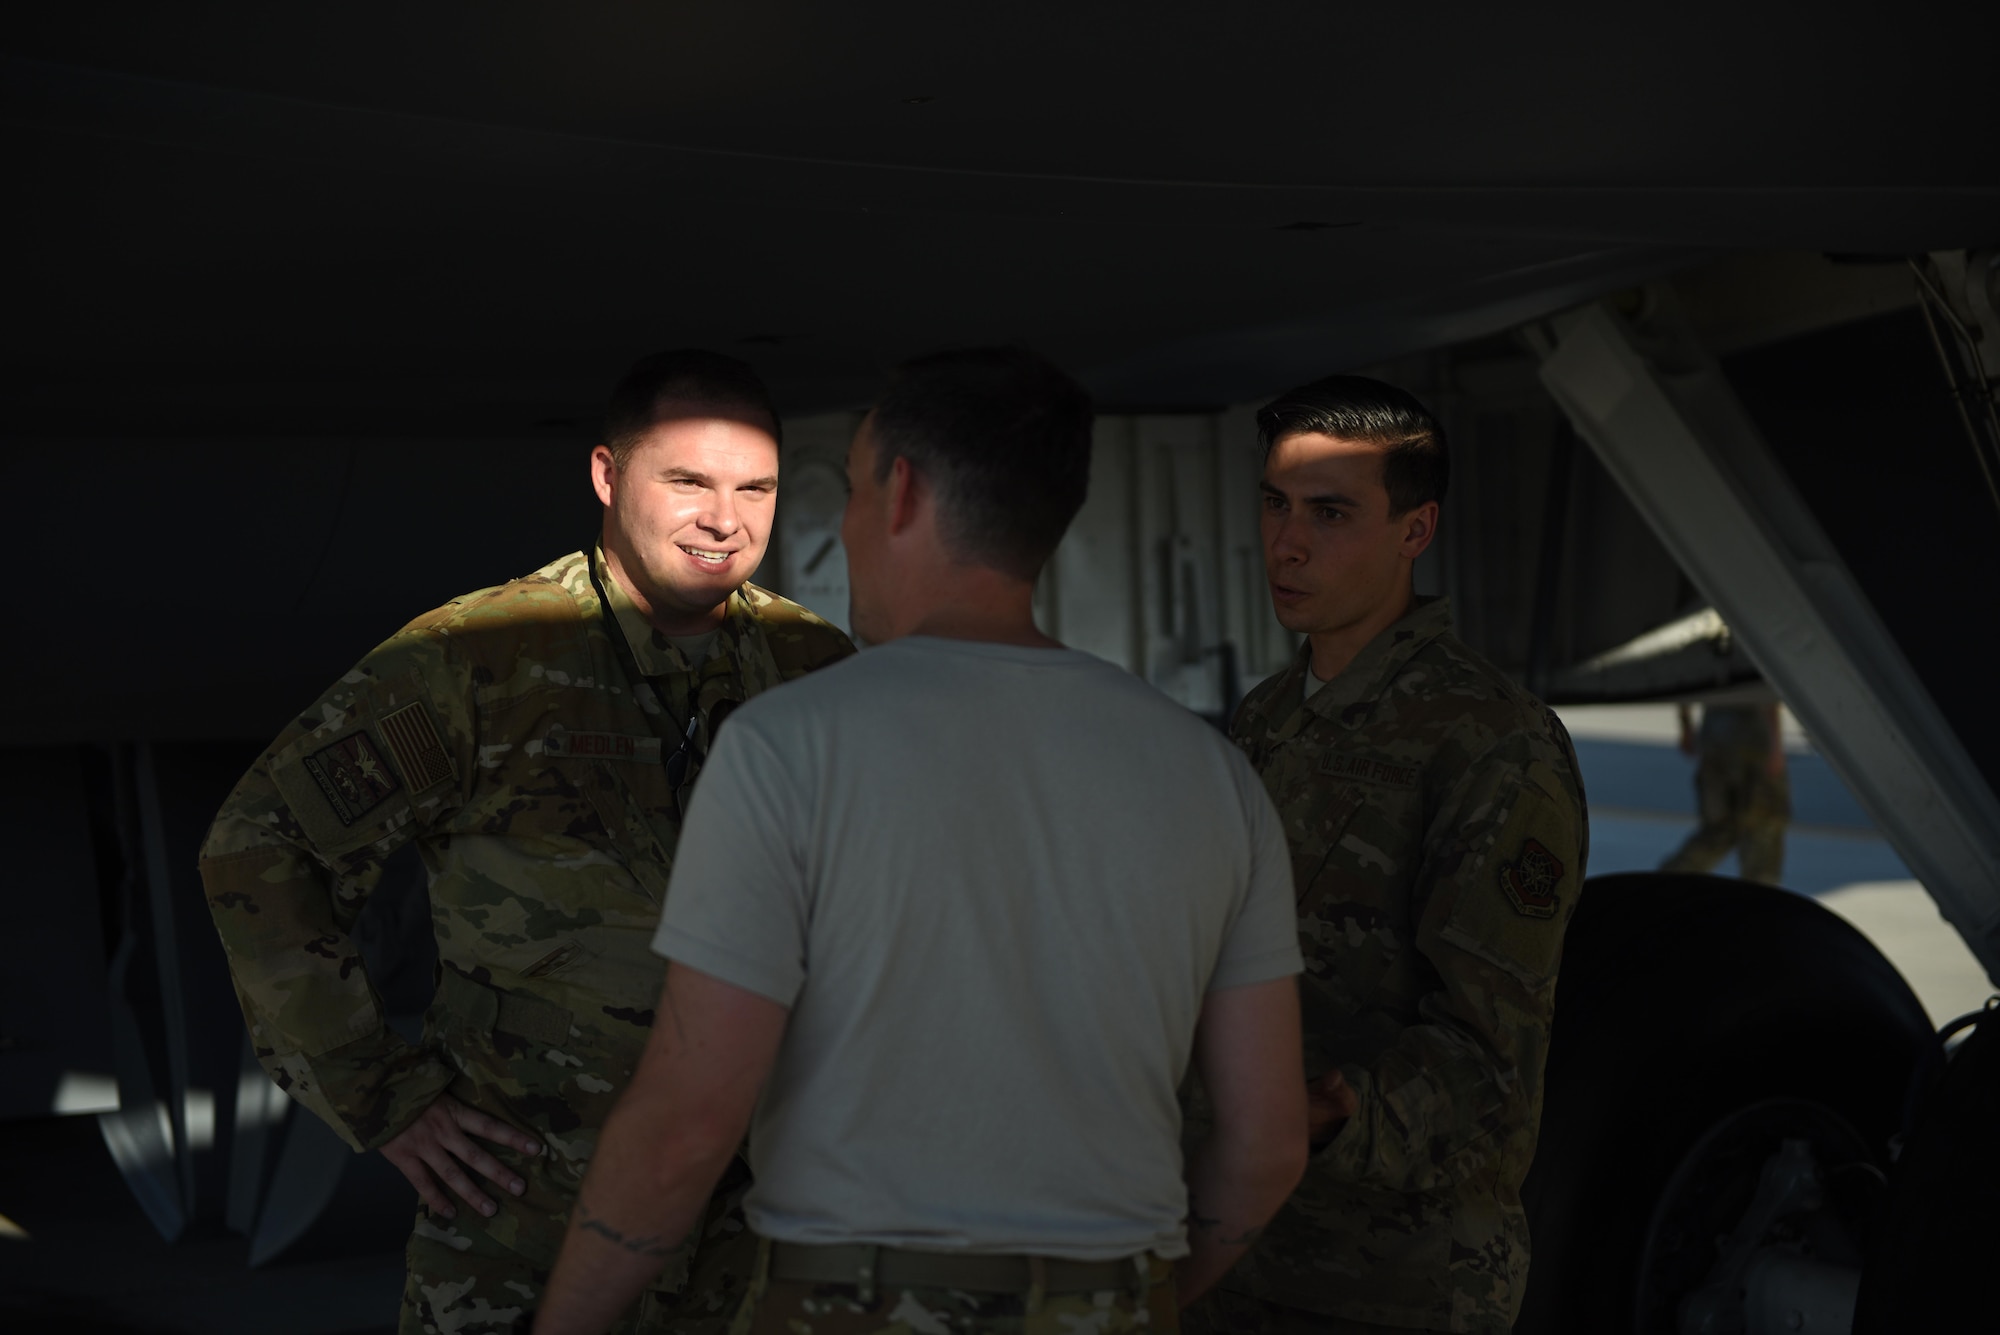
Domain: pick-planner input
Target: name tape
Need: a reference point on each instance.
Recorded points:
(601, 746)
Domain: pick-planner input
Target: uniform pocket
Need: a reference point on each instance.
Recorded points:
(1314, 840)
(475, 1010)
(634, 827)
(1355, 914)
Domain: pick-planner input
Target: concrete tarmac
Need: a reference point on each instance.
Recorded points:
(1642, 804)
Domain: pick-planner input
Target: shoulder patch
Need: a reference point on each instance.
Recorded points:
(352, 776)
(419, 753)
(1370, 769)
(1530, 880)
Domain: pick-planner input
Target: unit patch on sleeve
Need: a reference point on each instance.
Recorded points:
(413, 741)
(1530, 880)
(352, 775)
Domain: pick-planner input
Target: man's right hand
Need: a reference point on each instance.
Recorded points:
(1330, 1101)
(439, 1145)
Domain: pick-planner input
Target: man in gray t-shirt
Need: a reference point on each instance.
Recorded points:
(953, 919)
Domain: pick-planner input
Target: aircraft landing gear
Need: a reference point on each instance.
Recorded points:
(1728, 1066)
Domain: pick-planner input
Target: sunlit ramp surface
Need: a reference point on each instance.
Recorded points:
(1642, 805)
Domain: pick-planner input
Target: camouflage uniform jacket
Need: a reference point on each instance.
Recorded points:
(1437, 828)
(504, 734)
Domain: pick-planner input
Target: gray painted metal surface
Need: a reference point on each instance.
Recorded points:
(1657, 410)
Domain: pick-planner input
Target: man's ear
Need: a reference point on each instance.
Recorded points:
(1419, 527)
(603, 474)
(902, 494)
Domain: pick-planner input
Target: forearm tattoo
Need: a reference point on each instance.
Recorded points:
(1201, 1223)
(650, 1245)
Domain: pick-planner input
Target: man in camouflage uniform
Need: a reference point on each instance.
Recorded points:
(1437, 829)
(539, 753)
(1741, 790)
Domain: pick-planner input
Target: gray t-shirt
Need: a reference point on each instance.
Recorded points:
(993, 885)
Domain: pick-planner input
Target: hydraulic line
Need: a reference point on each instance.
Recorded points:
(1964, 393)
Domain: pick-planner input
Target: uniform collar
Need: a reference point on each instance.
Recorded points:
(1350, 697)
(655, 654)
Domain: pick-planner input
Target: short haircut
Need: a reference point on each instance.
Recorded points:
(687, 377)
(1416, 466)
(1003, 437)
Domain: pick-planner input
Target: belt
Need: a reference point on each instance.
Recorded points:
(870, 1268)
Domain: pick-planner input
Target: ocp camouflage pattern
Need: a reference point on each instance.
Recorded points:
(462, 1282)
(1743, 807)
(1436, 821)
(548, 864)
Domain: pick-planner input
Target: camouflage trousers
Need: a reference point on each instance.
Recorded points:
(1743, 809)
(465, 1283)
(1237, 1314)
(801, 1307)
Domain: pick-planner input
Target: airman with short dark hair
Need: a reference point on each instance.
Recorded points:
(1437, 830)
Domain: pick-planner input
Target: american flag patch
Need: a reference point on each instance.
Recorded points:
(413, 741)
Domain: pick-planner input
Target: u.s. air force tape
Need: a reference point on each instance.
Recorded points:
(562, 742)
(1370, 769)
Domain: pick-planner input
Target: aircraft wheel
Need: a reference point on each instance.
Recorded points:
(1709, 1034)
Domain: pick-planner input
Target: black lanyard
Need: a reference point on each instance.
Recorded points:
(687, 756)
